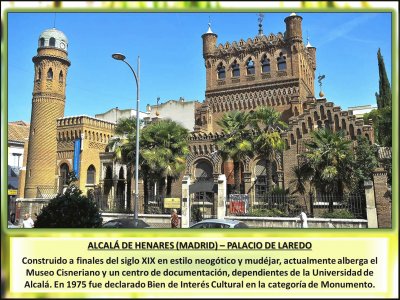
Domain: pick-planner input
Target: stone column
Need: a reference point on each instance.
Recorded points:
(370, 202)
(185, 214)
(221, 200)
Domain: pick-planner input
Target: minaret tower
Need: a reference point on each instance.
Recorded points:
(48, 102)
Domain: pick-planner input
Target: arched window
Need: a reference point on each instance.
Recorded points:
(235, 69)
(250, 67)
(337, 128)
(39, 75)
(204, 170)
(221, 71)
(266, 67)
(52, 42)
(310, 123)
(50, 74)
(41, 43)
(61, 77)
(91, 175)
(351, 129)
(261, 188)
(344, 127)
(281, 62)
(64, 170)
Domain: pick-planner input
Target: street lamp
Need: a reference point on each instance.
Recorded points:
(119, 56)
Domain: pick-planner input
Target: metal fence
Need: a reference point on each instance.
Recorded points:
(346, 206)
(275, 205)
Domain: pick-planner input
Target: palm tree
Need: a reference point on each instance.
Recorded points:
(302, 174)
(266, 124)
(164, 150)
(329, 155)
(123, 144)
(236, 143)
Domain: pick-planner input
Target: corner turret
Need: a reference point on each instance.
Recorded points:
(209, 42)
(293, 28)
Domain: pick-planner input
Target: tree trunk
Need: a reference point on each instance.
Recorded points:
(169, 185)
(236, 174)
(145, 192)
(269, 174)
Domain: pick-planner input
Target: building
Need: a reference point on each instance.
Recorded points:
(274, 70)
(114, 114)
(18, 134)
(361, 110)
(58, 144)
(181, 111)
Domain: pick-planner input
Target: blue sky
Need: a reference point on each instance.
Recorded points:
(170, 49)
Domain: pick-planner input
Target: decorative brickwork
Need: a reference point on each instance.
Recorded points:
(383, 199)
(48, 103)
(287, 87)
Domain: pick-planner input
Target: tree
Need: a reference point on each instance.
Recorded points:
(123, 144)
(267, 124)
(329, 156)
(164, 147)
(302, 174)
(384, 98)
(365, 159)
(236, 143)
(70, 210)
(382, 117)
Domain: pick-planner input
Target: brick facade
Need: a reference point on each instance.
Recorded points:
(48, 103)
(289, 90)
(383, 199)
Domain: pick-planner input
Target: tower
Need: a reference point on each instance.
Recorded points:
(48, 102)
(293, 28)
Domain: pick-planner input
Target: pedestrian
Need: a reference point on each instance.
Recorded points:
(28, 222)
(303, 220)
(174, 219)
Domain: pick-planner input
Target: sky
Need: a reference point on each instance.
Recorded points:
(170, 50)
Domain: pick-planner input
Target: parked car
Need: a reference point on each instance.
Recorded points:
(125, 223)
(219, 223)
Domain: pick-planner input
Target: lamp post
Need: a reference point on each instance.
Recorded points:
(119, 56)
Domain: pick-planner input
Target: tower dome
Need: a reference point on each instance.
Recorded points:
(53, 38)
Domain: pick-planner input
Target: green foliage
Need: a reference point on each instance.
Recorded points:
(382, 117)
(365, 159)
(71, 210)
(237, 142)
(266, 124)
(278, 191)
(196, 214)
(338, 214)
(382, 124)
(384, 98)
(163, 148)
(329, 157)
(302, 174)
(274, 212)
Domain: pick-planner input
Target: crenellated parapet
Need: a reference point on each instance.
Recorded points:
(323, 114)
(275, 70)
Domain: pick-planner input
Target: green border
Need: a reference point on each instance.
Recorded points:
(275, 232)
